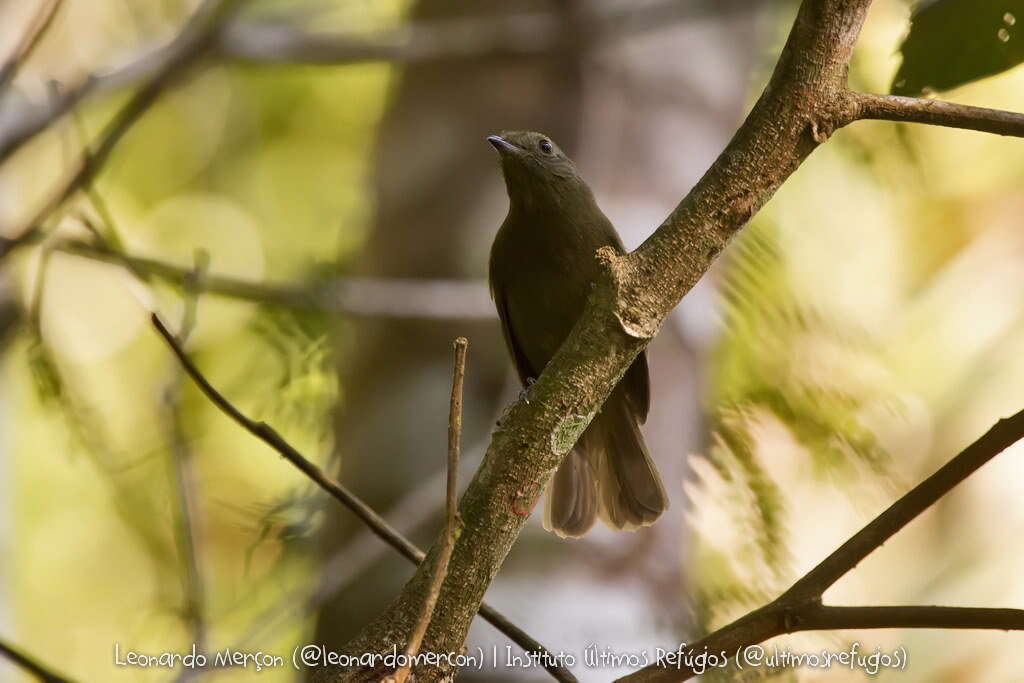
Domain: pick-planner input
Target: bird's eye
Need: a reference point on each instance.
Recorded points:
(545, 146)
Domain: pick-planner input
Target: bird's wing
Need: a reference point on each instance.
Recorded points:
(637, 384)
(523, 366)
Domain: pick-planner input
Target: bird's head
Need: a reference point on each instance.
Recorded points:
(536, 170)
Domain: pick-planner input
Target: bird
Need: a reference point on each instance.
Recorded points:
(541, 271)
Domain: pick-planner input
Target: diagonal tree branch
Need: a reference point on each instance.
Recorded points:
(30, 664)
(364, 512)
(800, 608)
(938, 113)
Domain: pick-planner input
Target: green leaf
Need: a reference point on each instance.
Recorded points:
(952, 42)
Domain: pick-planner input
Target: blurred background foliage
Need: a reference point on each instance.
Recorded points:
(865, 327)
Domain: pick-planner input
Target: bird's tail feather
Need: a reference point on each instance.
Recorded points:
(608, 474)
(570, 507)
(631, 494)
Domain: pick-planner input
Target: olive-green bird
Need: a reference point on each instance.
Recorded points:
(541, 271)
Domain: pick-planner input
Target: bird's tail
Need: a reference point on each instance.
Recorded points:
(630, 491)
(608, 474)
(570, 507)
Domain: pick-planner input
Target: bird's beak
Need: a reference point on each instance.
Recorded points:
(502, 145)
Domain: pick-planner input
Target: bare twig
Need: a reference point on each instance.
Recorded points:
(373, 297)
(364, 512)
(30, 664)
(800, 608)
(451, 528)
(29, 40)
(192, 43)
(938, 113)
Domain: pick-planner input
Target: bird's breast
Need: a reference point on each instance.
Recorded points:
(546, 277)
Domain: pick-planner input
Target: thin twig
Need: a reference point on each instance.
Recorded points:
(364, 512)
(195, 38)
(31, 664)
(363, 296)
(29, 40)
(938, 113)
(800, 608)
(451, 528)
